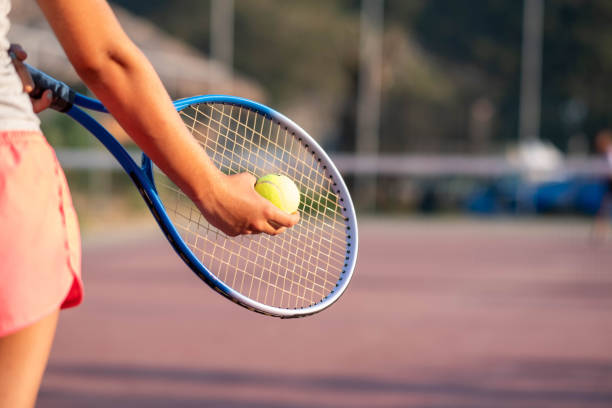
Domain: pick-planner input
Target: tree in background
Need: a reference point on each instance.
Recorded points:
(442, 58)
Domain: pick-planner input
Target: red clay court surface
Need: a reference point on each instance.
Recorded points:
(439, 314)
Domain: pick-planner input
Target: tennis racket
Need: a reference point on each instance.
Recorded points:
(297, 273)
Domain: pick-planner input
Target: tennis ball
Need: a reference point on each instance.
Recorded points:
(279, 190)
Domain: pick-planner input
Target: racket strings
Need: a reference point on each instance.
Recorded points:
(292, 270)
(306, 181)
(200, 222)
(303, 282)
(309, 193)
(308, 161)
(284, 276)
(315, 288)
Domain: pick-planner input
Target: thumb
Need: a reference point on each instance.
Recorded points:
(43, 102)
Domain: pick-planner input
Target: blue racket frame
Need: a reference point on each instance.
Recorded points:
(68, 101)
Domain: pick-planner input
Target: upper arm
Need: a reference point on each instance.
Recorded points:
(88, 31)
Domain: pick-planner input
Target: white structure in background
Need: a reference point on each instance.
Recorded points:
(538, 161)
(531, 71)
(369, 90)
(222, 34)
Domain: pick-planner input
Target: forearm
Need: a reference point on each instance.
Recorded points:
(160, 132)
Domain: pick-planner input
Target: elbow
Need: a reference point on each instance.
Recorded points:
(90, 68)
(93, 67)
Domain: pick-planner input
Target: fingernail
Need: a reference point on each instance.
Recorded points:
(49, 96)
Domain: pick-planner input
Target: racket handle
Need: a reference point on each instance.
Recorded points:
(63, 95)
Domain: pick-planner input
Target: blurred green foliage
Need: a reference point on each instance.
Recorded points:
(440, 57)
(61, 130)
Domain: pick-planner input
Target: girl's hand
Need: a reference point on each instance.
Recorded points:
(236, 208)
(18, 55)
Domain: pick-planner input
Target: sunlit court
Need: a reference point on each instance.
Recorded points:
(440, 313)
(292, 204)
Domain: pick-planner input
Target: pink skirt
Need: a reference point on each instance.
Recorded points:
(40, 249)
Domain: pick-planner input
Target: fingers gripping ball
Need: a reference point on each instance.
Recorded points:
(279, 190)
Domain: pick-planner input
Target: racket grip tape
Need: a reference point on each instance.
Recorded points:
(63, 96)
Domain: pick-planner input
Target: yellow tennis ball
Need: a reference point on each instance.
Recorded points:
(279, 190)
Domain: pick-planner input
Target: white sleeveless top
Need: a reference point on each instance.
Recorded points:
(15, 107)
